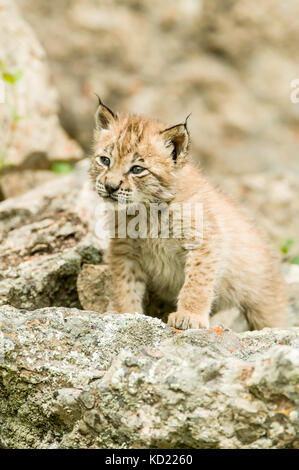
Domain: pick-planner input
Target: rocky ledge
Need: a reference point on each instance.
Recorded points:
(71, 378)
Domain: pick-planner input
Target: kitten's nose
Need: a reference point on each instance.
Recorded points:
(111, 188)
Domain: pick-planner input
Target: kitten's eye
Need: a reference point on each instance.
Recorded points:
(136, 170)
(103, 161)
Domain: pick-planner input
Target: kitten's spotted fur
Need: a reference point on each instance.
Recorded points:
(232, 266)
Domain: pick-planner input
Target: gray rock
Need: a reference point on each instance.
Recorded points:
(45, 237)
(94, 287)
(78, 379)
(16, 181)
(291, 275)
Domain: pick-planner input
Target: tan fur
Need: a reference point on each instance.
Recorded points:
(232, 266)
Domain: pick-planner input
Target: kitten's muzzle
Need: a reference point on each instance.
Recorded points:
(111, 188)
(117, 193)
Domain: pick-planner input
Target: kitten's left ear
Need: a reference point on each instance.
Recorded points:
(177, 138)
(103, 116)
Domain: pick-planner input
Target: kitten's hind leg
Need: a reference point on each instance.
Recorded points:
(267, 315)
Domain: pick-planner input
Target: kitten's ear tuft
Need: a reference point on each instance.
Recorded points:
(103, 116)
(177, 138)
(186, 120)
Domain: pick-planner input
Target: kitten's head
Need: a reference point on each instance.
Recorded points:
(136, 159)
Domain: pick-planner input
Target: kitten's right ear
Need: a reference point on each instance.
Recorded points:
(177, 138)
(103, 116)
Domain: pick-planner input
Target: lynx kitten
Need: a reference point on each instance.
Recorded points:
(138, 160)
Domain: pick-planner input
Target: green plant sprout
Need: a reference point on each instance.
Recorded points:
(61, 168)
(285, 249)
(9, 77)
(13, 112)
(295, 260)
(12, 79)
(286, 246)
(2, 159)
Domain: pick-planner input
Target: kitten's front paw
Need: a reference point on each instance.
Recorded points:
(187, 320)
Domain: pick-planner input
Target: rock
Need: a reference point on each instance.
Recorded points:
(15, 183)
(94, 287)
(28, 120)
(77, 379)
(291, 275)
(45, 237)
(271, 199)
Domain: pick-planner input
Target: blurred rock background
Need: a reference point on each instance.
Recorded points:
(229, 62)
(31, 137)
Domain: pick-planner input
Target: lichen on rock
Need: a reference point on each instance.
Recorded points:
(77, 379)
